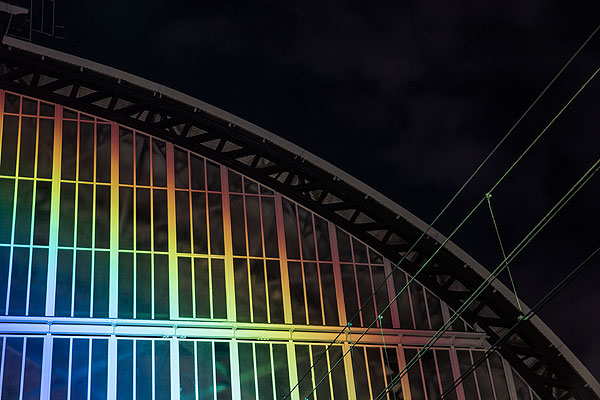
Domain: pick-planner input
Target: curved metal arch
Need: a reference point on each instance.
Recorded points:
(533, 350)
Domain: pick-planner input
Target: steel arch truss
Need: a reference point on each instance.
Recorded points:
(528, 350)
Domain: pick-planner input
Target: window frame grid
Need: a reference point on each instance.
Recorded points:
(301, 261)
(17, 178)
(193, 254)
(94, 184)
(264, 258)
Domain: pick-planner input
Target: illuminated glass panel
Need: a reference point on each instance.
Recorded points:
(333, 385)
(263, 370)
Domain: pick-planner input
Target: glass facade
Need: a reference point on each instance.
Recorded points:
(131, 268)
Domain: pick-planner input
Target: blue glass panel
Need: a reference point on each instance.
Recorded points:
(223, 371)
(247, 378)
(39, 276)
(33, 368)
(99, 372)
(204, 355)
(79, 368)
(143, 369)
(60, 369)
(11, 383)
(18, 283)
(124, 369)
(186, 370)
(162, 371)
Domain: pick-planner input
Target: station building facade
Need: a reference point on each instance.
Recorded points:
(133, 267)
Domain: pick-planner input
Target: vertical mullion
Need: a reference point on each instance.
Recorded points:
(356, 282)
(192, 258)
(46, 367)
(487, 363)
(510, 381)
(207, 231)
(22, 378)
(229, 275)
(192, 249)
(460, 392)
(382, 356)
(349, 372)
(54, 213)
(410, 302)
(112, 367)
(114, 227)
(134, 358)
(374, 298)
(236, 391)
(70, 368)
(329, 374)
(173, 272)
(312, 370)
(437, 370)
(307, 320)
(387, 270)
(151, 140)
(404, 380)
(445, 313)
(2, 364)
(153, 379)
(89, 381)
(312, 220)
(273, 371)
(283, 265)
(293, 369)
(210, 288)
(475, 377)
(134, 190)
(337, 274)
(75, 225)
(264, 256)
(214, 368)
(207, 228)
(426, 307)
(420, 365)
(195, 344)
(174, 368)
(248, 259)
(94, 186)
(366, 361)
(255, 370)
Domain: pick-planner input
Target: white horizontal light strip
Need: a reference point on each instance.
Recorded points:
(234, 331)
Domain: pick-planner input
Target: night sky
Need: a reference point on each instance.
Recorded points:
(408, 97)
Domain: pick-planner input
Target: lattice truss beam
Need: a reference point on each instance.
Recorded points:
(527, 350)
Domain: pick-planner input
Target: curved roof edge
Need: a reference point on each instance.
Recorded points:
(163, 91)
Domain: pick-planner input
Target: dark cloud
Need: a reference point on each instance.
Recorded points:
(407, 96)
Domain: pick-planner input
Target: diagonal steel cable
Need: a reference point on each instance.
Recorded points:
(522, 318)
(494, 274)
(512, 281)
(443, 244)
(448, 204)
